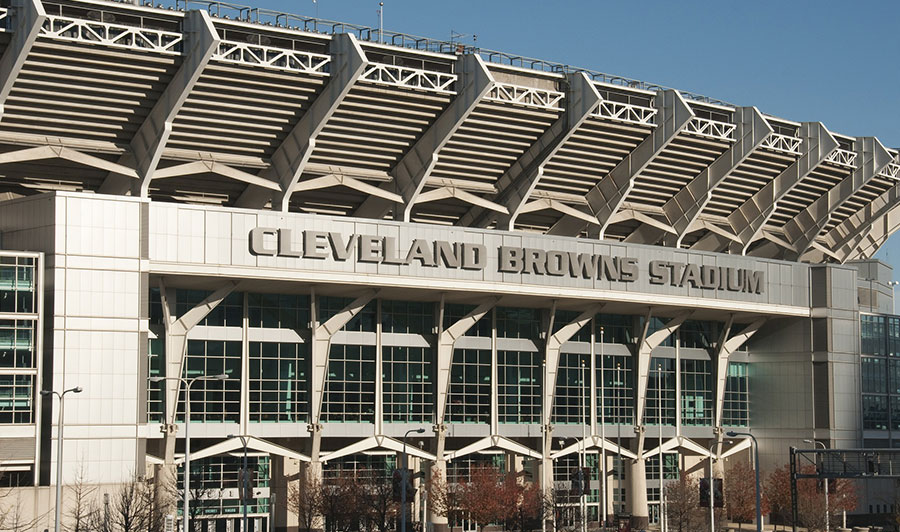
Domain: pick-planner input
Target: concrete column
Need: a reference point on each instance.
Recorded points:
(285, 474)
(637, 488)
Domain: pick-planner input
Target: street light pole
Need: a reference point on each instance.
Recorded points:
(585, 390)
(827, 513)
(662, 509)
(246, 480)
(404, 478)
(603, 487)
(187, 437)
(59, 448)
(712, 489)
(732, 434)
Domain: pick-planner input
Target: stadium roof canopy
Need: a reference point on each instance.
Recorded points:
(207, 102)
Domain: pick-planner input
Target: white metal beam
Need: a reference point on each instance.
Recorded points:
(253, 443)
(877, 235)
(150, 140)
(377, 442)
(61, 152)
(414, 168)
(212, 167)
(348, 62)
(645, 348)
(28, 16)
(726, 347)
(802, 229)
(551, 357)
(491, 442)
(517, 183)
(844, 238)
(748, 220)
(607, 196)
(594, 442)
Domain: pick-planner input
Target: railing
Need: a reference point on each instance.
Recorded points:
(842, 157)
(782, 143)
(412, 78)
(4, 17)
(405, 40)
(269, 57)
(115, 35)
(528, 96)
(624, 112)
(891, 171)
(713, 129)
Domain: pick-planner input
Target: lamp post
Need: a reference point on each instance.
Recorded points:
(603, 487)
(59, 447)
(712, 488)
(245, 488)
(732, 434)
(827, 513)
(662, 503)
(893, 285)
(404, 479)
(187, 438)
(585, 390)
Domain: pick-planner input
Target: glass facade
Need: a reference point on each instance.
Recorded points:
(662, 375)
(279, 384)
(880, 371)
(736, 409)
(469, 400)
(696, 393)
(18, 331)
(215, 482)
(615, 406)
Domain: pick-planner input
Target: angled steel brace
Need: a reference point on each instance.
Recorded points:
(330, 180)
(594, 442)
(151, 138)
(61, 152)
(726, 347)
(413, 169)
(377, 442)
(517, 183)
(685, 207)
(29, 17)
(321, 344)
(872, 157)
(200, 167)
(494, 441)
(460, 194)
(678, 442)
(446, 339)
(348, 62)
(748, 220)
(607, 196)
(876, 236)
(646, 347)
(843, 239)
(177, 329)
(254, 443)
(551, 357)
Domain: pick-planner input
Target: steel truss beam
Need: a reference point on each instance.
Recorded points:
(748, 220)
(607, 196)
(876, 236)
(682, 210)
(517, 183)
(61, 152)
(802, 230)
(29, 16)
(150, 140)
(843, 239)
(348, 62)
(414, 168)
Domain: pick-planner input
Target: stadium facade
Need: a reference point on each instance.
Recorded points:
(371, 233)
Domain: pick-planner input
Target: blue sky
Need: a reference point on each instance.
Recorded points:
(828, 61)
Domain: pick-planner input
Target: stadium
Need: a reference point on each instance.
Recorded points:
(370, 233)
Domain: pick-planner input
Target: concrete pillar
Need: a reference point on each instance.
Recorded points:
(546, 462)
(637, 490)
(285, 476)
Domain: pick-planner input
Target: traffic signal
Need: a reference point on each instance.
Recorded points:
(397, 479)
(577, 480)
(718, 495)
(245, 484)
(396, 482)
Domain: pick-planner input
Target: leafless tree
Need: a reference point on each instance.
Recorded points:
(304, 499)
(79, 513)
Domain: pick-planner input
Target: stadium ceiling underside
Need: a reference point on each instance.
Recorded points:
(226, 107)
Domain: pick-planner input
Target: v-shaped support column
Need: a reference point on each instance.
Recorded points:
(726, 347)
(28, 17)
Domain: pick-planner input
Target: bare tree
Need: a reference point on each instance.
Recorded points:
(376, 500)
(12, 516)
(79, 512)
(339, 503)
(683, 503)
(304, 499)
(446, 498)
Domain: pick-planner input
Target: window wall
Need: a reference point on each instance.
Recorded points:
(18, 339)
(880, 371)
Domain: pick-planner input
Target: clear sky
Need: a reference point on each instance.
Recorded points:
(828, 61)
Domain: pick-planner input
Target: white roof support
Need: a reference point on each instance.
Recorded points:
(494, 442)
(29, 16)
(212, 167)
(446, 339)
(678, 442)
(177, 329)
(646, 346)
(876, 236)
(378, 442)
(414, 168)
(594, 442)
(551, 355)
(872, 157)
(321, 344)
(843, 239)
(685, 207)
(61, 152)
(607, 196)
(726, 347)
(253, 443)
(517, 183)
(348, 62)
(150, 140)
(748, 220)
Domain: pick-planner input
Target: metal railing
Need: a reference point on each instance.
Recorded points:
(628, 113)
(713, 129)
(891, 171)
(528, 96)
(782, 143)
(4, 17)
(412, 78)
(842, 157)
(271, 57)
(115, 35)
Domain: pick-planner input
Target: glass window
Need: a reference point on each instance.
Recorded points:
(873, 337)
(736, 408)
(617, 397)
(520, 386)
(470, 386)
(616, 329)
(408, 384)
(892, 324)
(413, 317)
(350, 385)
(670, 467)
(363, 321)
(658, 324)
(518, 323)
(696, 393)
(875, 412)
(698, 334)
(459, 470)
(571, 403)
(565, 317)
(874, 375)
(213, 400)
(156, 404)
(455, 312)
(16, 396)
(662, 372)
(215, 482)
(279, 384)
(229, 312)
(17, 286)
(278, 311)
(17, 344)
(368, 466)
